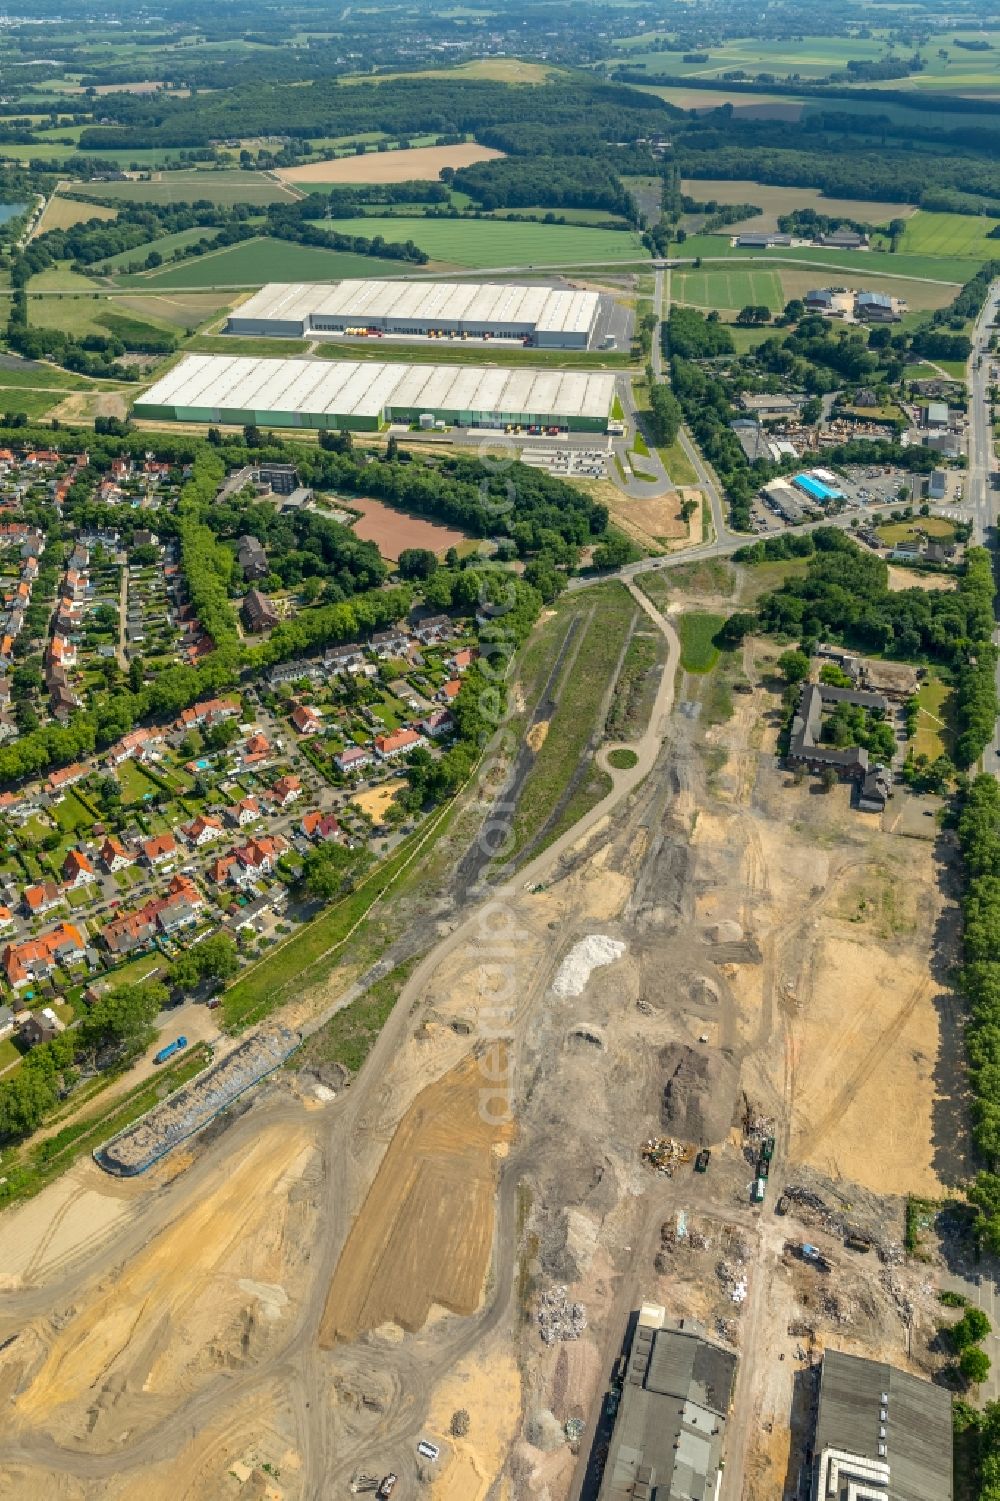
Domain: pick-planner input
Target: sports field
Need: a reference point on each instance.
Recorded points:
(257, 261)
(495, 242)
(951, 235)
(728, 290)
(225, 188)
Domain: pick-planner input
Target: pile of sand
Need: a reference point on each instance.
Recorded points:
(584, 957)
(699, 1095)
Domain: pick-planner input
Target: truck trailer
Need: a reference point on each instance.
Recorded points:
(170, 1049)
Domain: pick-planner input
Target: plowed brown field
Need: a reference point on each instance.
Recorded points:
(425, 1231)
(417, 164)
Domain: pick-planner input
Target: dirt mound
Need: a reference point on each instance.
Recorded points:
(726, 931)
(699, 1095)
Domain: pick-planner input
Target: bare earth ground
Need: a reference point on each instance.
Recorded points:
(314, 1286)
(418, 163)
(392, 531)
(425, 1233)
(655, 521)
(377, 799)
(908, 578)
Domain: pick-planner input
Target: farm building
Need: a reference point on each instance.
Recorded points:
(362, 396)
(880, 1433)
(549, 317)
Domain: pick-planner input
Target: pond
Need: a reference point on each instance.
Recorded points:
(11, 211)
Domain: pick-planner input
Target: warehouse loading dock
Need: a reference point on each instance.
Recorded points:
(543, 316)
(361, 396)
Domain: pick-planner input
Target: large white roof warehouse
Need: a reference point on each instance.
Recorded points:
(551, 317)
(363, 395)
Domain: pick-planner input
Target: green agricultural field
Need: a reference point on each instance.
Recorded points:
(44, 378)
(727, 289)
(34, 404)
(863, 264)
(593, 217)
(774, 201)
(809, 57)
(87, 315)
(183, 310)
(231, 344)
(224, 188)
(164, 246)
(951, 235)
(61, 278)
(482, 242)
(257, 261)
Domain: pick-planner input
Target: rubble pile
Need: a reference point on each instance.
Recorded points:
(833, 1309)
(897, 1293)
(812, 1208)
(665, 1155)
(558, 1318)
(733, 1280)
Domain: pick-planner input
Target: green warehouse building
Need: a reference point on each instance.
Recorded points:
(364, 396)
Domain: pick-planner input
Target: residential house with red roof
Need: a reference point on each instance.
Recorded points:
(161, 851)
(114, 856)
(203, 830)
(41, 897)
(285, 790)
(257, 858)
(36, 958)
(319, 826)
(306, 720)
(78, 870)
(66, 776)
(397, 744)
(246, 811)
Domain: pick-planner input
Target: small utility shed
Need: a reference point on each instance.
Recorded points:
(880, 1432)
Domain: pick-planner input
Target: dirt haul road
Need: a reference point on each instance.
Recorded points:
(169, 1339)
(727, 892)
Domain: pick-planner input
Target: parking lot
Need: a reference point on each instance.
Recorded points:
(581, 463)
(863, 489)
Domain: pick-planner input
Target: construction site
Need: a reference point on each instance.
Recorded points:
(700, 1050)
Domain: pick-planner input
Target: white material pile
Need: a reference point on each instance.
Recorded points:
(558, 1318)
(591, 953)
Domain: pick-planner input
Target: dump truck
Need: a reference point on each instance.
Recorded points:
(387, 1487)
(170, 1049)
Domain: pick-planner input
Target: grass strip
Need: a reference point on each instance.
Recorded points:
(349, 1036)
(295, 963)
(698, 629)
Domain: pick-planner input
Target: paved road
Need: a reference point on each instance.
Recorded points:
(983, 463)
(661, 302)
